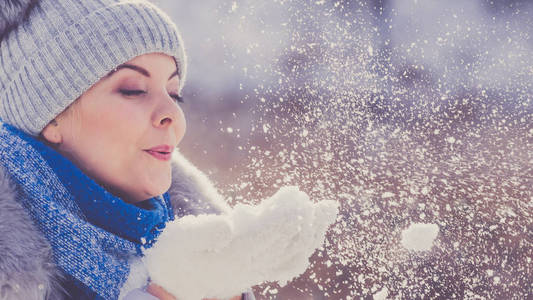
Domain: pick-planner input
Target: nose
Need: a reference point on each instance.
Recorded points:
(167, 113)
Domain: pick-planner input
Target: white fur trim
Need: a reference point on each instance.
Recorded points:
(191, 185)
(137, 279)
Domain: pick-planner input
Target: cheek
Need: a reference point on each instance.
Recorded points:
(105, 141)
(116, 126)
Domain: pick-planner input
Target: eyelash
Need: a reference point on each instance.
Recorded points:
(177, 98)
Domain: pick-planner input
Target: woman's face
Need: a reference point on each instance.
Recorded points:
(121, 131)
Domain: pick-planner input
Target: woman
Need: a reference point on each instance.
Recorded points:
(89, 104)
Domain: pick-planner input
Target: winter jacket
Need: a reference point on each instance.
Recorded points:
(27, 270)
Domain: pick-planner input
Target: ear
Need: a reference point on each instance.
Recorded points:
(52, 134)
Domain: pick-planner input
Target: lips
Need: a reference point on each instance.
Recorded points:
(161, 152)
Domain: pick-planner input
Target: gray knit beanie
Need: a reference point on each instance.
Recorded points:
(52, 51)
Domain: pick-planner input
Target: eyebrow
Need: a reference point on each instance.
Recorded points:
(138, 69)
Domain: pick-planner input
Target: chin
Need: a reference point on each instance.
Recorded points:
(158, 188)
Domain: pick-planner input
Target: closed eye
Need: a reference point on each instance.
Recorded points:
(132, 92)
(178, 98)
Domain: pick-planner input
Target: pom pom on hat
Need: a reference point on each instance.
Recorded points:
(14, 12)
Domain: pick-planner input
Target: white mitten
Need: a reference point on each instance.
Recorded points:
(223, 255)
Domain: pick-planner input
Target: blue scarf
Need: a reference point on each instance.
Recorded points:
(93, 234)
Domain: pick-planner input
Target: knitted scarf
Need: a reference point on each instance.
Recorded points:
(93, 234)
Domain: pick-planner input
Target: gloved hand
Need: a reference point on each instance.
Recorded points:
(223, 255)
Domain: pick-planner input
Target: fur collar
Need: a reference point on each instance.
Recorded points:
(26, 268)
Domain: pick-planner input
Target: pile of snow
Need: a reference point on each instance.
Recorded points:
(223, 255)
(419, 236)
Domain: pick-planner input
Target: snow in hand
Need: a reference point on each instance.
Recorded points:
(223, 255)
(419, 236)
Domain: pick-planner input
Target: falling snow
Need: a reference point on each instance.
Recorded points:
(413, 112)
(419, 236)
(381, 295)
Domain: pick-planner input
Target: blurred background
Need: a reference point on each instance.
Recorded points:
(403, 111)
